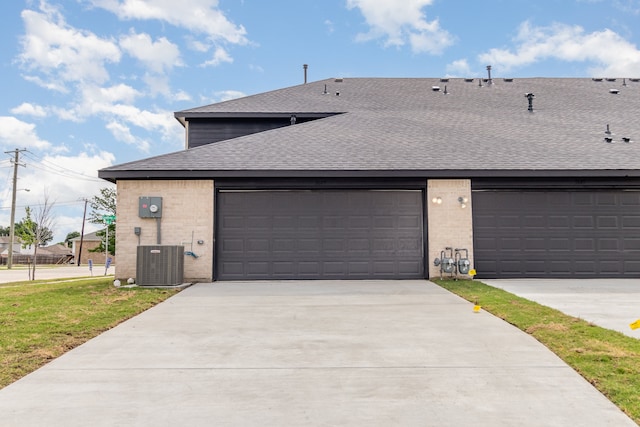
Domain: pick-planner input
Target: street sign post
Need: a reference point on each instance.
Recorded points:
(108, 220)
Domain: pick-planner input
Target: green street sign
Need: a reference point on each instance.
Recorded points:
(108, 219)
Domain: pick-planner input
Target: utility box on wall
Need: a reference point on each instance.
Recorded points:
(160, 265)
(150, 207)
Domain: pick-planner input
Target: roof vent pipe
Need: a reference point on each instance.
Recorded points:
(479, 82)
(608, 131)
(530, 97)
(304, 67)
(325, 90)
(489, 72)
(293, 119)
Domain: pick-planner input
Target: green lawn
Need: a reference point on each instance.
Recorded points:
(43, 319)
(607, 359)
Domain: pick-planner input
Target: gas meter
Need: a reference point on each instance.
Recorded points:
(446, 262)
(462, 262)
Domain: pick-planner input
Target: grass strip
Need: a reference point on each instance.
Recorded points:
(608, 359)
(40, 322)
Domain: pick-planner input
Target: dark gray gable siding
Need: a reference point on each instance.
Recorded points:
(204, 131)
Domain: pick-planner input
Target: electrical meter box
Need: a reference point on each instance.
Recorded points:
(150, 207)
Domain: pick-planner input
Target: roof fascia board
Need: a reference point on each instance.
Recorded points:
(113, 175)
(181, 116)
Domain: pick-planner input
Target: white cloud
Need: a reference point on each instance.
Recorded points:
(63, 53)
(28, 109)
(15, 133)
(56, 86)
(402, 22)
(75, 177)
(158, 56)
(202, 16)
(122, 132)
(608, 53)
(219, 56)
(459, 68)
(330, 26)
(228, 95)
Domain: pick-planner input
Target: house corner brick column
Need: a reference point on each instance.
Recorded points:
(450, 225)
(187, 210)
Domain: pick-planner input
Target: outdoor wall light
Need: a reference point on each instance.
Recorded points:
(463, 201)
(437, 200)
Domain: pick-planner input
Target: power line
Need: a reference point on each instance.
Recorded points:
(57, 204)
(50, 167)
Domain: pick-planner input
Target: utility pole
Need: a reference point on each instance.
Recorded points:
(84, 216)
(12, 227)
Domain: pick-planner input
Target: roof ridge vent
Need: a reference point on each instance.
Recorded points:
(508, 80)
(444, 80)
(610, 80)
(596, 79)
(469, 80)
(635, 80)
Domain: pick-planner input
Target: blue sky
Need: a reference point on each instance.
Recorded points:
(91, 83)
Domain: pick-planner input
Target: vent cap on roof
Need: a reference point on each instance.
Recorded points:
(614, 91)
(435, 88)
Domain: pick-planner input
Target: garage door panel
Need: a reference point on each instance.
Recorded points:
(592, 233)
(319, 234)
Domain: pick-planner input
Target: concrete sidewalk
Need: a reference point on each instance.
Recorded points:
(610, 303)
(354, 353)
(43, 272)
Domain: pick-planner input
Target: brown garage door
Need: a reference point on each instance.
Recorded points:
(319, 234)
(557, 233)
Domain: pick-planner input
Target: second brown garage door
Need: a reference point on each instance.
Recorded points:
(319, 234)
(589, 233)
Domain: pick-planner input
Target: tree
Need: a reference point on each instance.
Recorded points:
(5, 231)
(36, 229)
(104, 204)
(28, 228)
(70, 237)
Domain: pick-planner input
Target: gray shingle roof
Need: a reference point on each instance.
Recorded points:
(396, 125)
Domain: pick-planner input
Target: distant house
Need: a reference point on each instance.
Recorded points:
(54, 254)
(89, 242)
(374, 178)
(4, 245)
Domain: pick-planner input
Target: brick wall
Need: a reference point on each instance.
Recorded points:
(187, 214)
(450, 225)
(95, 257)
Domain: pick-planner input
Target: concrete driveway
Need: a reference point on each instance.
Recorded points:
(340, 353)
(610, 303)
